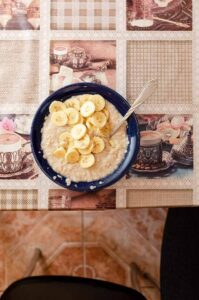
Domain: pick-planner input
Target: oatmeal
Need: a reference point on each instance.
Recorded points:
(75, 138)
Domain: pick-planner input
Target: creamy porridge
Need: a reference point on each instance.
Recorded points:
(75, 138)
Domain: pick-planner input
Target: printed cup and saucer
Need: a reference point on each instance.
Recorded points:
(151, 157)
(14, 158)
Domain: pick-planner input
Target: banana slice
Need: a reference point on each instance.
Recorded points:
(99, 102)
(98, 119)
(113, 143)
(83, 98)
(73, 103)
(73, 116)
(64, 139)
(87, 109)
(59, 152)
(82, 143)
(106, 112)
(89, 125)
(81, 120)
(59, 118)
(56, 106)
(99, 145)
(87, 150)
(105, 131)
(78, 131)
(72, 156)
(87, 161)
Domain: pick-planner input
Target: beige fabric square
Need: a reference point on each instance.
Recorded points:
(18, 199)
(168, 61)
(83, 14)
(19, 72)
(158, 198)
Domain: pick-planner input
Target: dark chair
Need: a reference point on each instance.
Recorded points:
(65, 287)
(180, 255)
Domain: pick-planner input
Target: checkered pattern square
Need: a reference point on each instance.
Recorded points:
(18, 199)
(83, 14)
(168, 61)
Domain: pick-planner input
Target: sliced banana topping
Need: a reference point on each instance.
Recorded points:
(82, 143)
(83, 98)
(59, 152)
(105, 131)
(99, 145)
(78, 131)
(65, 137)
(72, 156)
(56, 106)
(59, 118)
(81, 120)
(87, 109)
(113, 143)
(87, 161)
(98, 119)
(106, 112)
(86, 123)
(73, 116)
(99, 102)
(87, 150)
(72, 103)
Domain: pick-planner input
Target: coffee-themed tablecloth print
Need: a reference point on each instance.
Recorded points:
(82, 61)
(19, 15)
(16, 160)
(65, 199)
(122, 44)
(166, 147)
(159, 15)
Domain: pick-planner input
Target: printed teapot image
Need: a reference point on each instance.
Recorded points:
(78, 59)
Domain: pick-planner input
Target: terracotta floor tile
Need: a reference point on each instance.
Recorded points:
(113, 240)
(102, 266)
(134, 235)
(54, 230)
(16, 225)
(68, 262)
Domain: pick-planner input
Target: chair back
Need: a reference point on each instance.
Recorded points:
(70, 288)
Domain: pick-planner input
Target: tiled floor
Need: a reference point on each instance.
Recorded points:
(100, 245)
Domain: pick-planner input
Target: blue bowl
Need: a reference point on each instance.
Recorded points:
(121, 105)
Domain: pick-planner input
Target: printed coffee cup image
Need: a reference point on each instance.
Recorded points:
(11, 153)
(150, 148)
(142, 13)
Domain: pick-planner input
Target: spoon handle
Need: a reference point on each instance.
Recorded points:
(147, 91)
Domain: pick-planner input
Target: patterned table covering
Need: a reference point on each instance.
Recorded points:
(126, 43)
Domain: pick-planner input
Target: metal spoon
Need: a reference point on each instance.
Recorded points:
(147, 91)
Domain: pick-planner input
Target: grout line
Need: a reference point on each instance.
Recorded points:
(44, 51)
(121, 35)
(195, 72)
(83, 245)
(121, 201)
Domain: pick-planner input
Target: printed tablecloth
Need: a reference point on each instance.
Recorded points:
(126, 43)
